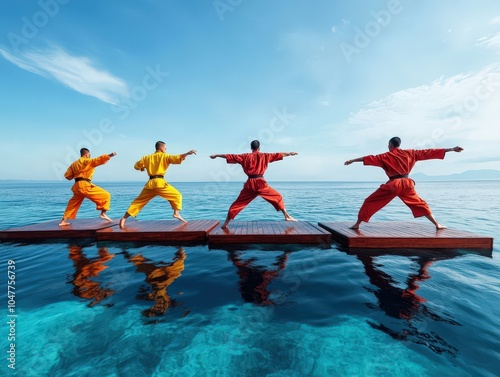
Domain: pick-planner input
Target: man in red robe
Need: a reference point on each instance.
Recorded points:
(254, 165)
(397, 164)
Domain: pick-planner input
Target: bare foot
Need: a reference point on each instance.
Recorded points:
(439, 227)
(105, 217)
(356, 225)
(179, 217)
(122, 222)
(64, 223)
(290, 218)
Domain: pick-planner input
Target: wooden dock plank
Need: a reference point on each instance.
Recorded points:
(269, 232)
(412, 235)
(79, 228)
(159, 231)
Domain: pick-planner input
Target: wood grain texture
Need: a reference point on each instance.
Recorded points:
(405, 235)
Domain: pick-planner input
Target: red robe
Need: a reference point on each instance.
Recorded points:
(397, 162)
(255, 163)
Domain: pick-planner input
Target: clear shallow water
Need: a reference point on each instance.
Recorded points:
(125, 309)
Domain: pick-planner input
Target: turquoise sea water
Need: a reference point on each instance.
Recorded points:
(126, 309)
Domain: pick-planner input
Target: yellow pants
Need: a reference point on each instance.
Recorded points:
(169, 193)
(82, 190)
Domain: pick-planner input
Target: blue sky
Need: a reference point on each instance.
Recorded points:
(332, 81)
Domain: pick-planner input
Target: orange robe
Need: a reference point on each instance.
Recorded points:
(84, 168)
(397, 162)
(255, 163)
(156, 164)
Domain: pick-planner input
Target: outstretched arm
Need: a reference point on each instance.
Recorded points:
(286, 154)
(349, 162)
(183, 155)
(454, 149)
(217, 155)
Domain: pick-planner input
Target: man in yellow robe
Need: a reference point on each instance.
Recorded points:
(82, 171)
(156, 165)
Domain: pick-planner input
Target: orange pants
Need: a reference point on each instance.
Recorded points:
(403, 188)
(82, 190)
(252, 189)
(169, 193)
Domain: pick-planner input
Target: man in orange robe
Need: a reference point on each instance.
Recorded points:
(254, 165)
(82, 171)
(397, 164)
(156, 165)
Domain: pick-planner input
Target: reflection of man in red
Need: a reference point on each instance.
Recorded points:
(87, 268)
(254, 165)
(397, 164)
(254, 280)
(406, 304)
(395, 301)
(159, 276)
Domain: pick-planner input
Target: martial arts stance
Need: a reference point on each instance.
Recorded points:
(82, 171)
(397, 164)
(254, 165)
(156, 165)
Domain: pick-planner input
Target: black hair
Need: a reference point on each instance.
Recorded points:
(159, 144)
(255, 145)
(395, 141)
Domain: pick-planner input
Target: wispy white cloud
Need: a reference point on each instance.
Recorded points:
(492, 40)
(76, 72)
(461, 109)
(495, 20)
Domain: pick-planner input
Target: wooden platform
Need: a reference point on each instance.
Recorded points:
(269, 232)
(413, 235)
(159, 231)
(84, 228)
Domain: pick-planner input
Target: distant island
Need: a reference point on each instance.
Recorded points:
(469, 175)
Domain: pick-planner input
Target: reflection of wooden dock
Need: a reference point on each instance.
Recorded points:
(84, 228)
(413, 235)
(269, 232)
(159, 231)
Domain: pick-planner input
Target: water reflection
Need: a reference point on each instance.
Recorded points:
(406, 304)
(255, 279)
(87, 269)
(159, 276)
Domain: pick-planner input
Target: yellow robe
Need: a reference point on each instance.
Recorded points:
(156, 164)
(84, 168)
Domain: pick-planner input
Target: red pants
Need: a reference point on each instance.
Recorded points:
(404, 188)
(256, 187)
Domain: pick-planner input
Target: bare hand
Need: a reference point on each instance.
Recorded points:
(348, 162)
(457, 149)
(192, 151)
(213, 156)
(112, 154)
(293, 153)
